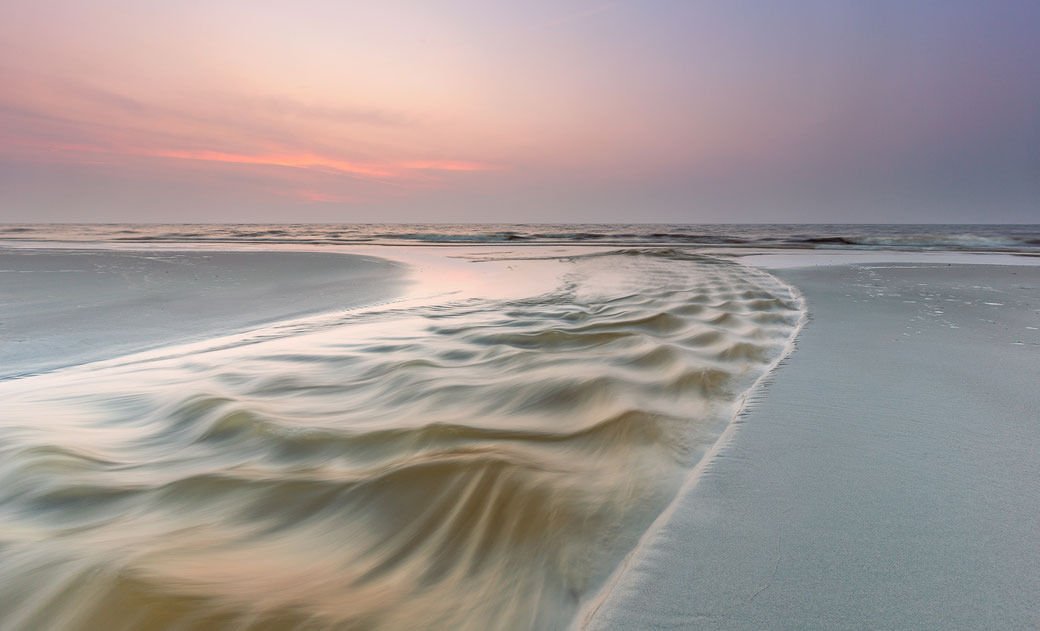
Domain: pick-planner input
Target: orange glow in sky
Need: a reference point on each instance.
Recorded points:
(374, 170)
(572, 110)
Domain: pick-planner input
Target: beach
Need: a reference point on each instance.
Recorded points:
(519, 316)
(63, 307)
(478, 449)
(885, 478)
(558, 436)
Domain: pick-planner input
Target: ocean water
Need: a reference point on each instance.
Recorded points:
(469, 460)
(964, 237)
(460, 462)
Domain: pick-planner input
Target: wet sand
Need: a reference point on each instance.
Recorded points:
(483, 458)
(887, 478)
(65, 307)
(477, 454)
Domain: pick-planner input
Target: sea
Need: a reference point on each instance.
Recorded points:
(959, 237)
(471, 429)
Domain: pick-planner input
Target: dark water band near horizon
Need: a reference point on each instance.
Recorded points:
(1021, 238)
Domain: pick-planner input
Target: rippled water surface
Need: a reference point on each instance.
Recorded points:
(465, 463)
(965, 237)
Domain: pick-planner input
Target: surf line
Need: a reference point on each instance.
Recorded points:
(587, 616)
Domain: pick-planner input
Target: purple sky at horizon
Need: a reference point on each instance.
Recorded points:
(567, 111)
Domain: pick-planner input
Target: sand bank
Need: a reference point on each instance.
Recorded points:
(65, 307)
(887, 478)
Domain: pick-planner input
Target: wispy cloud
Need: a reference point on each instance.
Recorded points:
(70, 122)
(377, 170)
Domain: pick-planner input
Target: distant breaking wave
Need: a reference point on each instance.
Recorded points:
(462, 465)
(983, 238)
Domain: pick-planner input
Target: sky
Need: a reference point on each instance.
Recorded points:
(538, 111)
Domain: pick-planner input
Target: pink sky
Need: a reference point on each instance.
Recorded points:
(566, 111)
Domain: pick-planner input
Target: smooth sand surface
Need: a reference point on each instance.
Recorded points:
(65, 307)
(887, 478)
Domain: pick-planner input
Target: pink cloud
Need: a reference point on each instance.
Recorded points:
(380, 170)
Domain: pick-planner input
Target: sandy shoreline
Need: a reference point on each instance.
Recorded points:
(886, 479)
(65, 307)
(504, 429)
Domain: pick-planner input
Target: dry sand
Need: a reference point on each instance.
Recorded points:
(888, 477)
